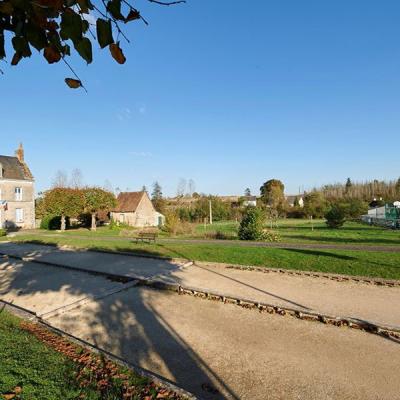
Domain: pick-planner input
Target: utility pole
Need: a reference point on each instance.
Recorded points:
(210, 212)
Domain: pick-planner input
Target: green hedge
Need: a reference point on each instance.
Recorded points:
(53, 222)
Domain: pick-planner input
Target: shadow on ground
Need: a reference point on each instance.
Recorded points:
(152, 335)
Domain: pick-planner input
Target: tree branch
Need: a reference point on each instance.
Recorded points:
(167, 3)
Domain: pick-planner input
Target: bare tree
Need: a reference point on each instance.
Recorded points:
(76, 180)
(191, 187)
(108, 186)
(60, 179)
(180, 190)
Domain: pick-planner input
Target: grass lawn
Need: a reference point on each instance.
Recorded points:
(373, 264)
(290, 230)
(37, 364)
(305, 231)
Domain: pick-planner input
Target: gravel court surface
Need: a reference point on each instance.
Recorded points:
(202, 345)
(43, 289)
(373, 303)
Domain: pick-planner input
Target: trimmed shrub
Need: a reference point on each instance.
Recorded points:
(251, 226)
(53, 222)
(3, 232)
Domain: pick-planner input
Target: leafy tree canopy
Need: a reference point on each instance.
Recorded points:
(272, 193)
(97, 199)
(56, 28)
(64, 201)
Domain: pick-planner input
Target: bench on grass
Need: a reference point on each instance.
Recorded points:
(146, 237)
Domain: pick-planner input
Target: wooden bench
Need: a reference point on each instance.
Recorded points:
(146, 237)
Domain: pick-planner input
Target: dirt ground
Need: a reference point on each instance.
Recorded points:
(215, 350)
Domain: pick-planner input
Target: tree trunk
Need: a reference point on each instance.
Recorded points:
(93, 228)
(63, 225)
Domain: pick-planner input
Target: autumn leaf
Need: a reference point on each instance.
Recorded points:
(51, 54)
(133, 14)
(117, 53)
(73, 83)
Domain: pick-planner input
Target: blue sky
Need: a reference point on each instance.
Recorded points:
(226, 92)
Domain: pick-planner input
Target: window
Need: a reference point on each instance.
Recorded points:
(18, 194)
(19, 215)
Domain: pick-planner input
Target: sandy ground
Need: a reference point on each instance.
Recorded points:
(202, 345)
(344, 299)
(242, 353)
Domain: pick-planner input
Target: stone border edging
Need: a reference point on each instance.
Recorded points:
(159, 380)
(295, 272)
(311, 274)
(378, 329)
(370, 327)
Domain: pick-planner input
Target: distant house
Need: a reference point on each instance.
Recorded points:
(17, 194)
(291, 200)
(249, 201)
(136, 209)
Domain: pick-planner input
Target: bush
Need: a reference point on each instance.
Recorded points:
(296, 212)
(174, 226)
(336, 216)
(251, 226)
(271, 236)
(53, 222)
(3, 232)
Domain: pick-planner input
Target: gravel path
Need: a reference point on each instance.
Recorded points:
(218, 351)
(345, 299)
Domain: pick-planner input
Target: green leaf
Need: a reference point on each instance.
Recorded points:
(104, 32)
(71, 26)
(36, 37)
(114, 8)
(21, 46)
(85, 26)
(66, 50)
(84, 48)
(2, 49)
(85, 6)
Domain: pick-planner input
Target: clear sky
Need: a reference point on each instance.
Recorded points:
(229, 93)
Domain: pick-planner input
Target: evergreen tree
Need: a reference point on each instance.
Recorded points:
(348, 185)
(247, 192)
(157, 197)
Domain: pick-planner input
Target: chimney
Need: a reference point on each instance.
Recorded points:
(19, 153)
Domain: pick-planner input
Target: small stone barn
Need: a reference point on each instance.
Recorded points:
(136, 209)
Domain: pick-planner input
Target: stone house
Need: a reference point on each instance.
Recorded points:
(250, 201)
(136, 209)
(17, 194)
(291, 200)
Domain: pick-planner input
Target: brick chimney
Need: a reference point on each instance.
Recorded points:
(19, 153)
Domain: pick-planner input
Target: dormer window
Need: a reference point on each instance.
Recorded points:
(18, 194)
